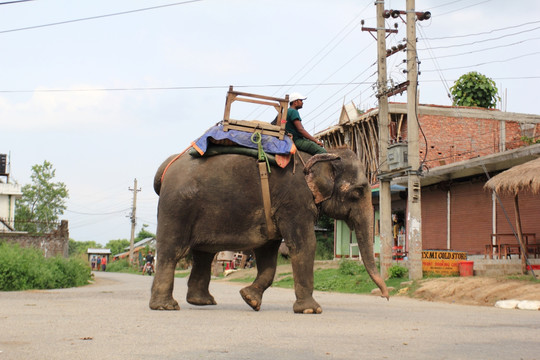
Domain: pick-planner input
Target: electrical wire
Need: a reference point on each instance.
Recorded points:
(14, 2)
(481, 33)
(486, 49)
(482, 41)
(98, 214)
(465, 7)
(487, 62)
(296, 82)
(98, 16)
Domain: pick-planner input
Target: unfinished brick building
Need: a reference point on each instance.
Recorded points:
(457, 145)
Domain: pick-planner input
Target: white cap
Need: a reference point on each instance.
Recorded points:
(296, 96)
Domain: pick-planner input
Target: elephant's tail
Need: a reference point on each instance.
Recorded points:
(158, 178)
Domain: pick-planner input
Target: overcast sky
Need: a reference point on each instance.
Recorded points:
(106, 90)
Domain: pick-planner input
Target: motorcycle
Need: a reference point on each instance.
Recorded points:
(148, 268)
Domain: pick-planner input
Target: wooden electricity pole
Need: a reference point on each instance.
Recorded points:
(414, 215)
(385, 199)
(133, 220)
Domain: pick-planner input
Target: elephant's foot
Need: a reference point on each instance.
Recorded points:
(165, 304)
(252, 297)
(309, 306)
(202, 298)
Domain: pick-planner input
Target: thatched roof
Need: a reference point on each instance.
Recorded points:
(524, 177)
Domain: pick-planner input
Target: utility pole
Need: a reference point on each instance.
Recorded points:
(133, 219)
(414, 215)
(408, 163)
(385, 196)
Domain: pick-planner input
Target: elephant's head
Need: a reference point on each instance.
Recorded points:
(342, 191)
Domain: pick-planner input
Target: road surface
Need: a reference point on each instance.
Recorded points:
(110, 319)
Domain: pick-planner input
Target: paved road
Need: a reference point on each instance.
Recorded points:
(111, 320)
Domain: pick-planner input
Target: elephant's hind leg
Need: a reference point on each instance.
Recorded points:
(162, 287)
(266, 258)
(199, 279)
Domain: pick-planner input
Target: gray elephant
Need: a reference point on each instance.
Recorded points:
(207, 205)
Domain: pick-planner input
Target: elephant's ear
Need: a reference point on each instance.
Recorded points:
(319, 174)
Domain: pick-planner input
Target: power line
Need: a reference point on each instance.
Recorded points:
(481, 33)
(344, 84)
(487, 62)
(443, 5)
(174, 88)
(481, 50)
(465, 7)
(14, 2)
(98, 16)
(108, 213)
(482, 41)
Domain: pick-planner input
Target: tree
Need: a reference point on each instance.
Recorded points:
(475, 89)
(117, 246)
(80, 247)
(42, 202)
(144, 234)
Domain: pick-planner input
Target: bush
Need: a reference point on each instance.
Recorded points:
(27, 268)
(325, 246)
(397, 272)
(120, 265)
(349, 267)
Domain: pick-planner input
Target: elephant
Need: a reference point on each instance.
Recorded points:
(207, 205)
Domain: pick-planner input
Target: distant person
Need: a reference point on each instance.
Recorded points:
(103, 263)
(93, 262)
(98, 263)
(302, 139)
(149, 262)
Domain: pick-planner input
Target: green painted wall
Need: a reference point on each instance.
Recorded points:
(344, 238)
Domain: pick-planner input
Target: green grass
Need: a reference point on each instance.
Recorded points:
(27, 268)
(335, 281)
(525, 277)
(182, 274)
(350, 277)
(122, 265)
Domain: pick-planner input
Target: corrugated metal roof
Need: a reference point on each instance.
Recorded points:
(99, 251)
(141, 243)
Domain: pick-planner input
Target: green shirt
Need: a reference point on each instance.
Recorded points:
(292, 115)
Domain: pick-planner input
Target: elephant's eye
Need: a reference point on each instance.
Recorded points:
(356, 193)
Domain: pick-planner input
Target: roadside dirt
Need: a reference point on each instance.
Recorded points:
(474, 290)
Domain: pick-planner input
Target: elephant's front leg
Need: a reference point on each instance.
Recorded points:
(266, 258)
(303, 259)
(199, 279)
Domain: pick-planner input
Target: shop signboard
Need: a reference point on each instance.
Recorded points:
(442, 262)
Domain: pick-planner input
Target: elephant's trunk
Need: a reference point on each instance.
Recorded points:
(364, 235)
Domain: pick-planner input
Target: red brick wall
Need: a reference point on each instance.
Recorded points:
(451, 139)
(434, 219)
(471, 219)
(529, 208)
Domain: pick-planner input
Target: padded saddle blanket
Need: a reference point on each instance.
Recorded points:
(279, 151)
(270, 144)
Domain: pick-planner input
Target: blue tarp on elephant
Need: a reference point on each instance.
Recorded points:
(271, 144)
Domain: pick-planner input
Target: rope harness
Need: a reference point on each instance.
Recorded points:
(264, 170)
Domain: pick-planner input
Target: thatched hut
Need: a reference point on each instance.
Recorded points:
(524, 177)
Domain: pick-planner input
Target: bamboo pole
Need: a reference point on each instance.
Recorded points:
(520, 236)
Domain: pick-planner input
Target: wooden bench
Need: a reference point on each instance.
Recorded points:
(504, 250)
(265, 128)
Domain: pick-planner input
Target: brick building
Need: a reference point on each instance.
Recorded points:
(456, 144)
